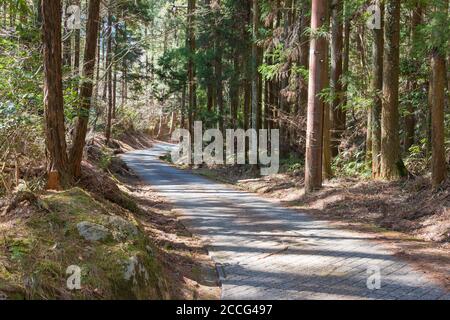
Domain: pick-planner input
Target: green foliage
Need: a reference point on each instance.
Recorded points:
(292, 164)
(351, 163)
(277, 57)
(172, 69)
(418, 159)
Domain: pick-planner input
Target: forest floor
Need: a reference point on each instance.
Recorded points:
(408, 216)
(39, 238)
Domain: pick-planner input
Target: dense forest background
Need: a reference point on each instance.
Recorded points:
(377, 105)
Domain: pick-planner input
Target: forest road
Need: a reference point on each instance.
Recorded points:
(265, 251)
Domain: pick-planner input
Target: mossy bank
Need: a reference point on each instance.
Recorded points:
(45, 240)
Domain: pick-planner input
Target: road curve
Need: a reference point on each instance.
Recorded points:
(265, 251)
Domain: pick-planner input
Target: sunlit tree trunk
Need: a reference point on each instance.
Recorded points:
(377, 87)
(391, 164)
(317, 82)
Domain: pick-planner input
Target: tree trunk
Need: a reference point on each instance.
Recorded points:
(183, 108)
(305, 23)
(234, 91)
(76, 64)
(317, 82)
(218, 67)
(413, 86)
(439, 165)
(391, 164)
(67, 39)
(256, 99)
(55, 139)
(92, 30)
(337, 113)
(346, 60)
(109, 56)
(191, 66)
(377, 87)
(114, 94)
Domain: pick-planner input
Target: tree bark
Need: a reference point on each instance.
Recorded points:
(76, 64)
(317, 82)
(413, 86)
(391, 164)
(256, 99)
(109, 59)
(439, 165)
(346, 59)
(55, 139)
(337, 113)
(218, 67)
(304, 56)
(377, 87)
(439, 84)
(191, 66)
(92, 30)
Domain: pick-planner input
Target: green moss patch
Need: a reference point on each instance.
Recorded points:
(35, 253)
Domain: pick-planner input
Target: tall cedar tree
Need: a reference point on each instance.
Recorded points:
(57, 165)
(377, 87)
(391, 163)
(438, 63)
(317, 82)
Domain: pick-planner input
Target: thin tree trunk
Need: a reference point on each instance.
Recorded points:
(234, 91)
(304, 56)
(76, 64)
(191, 66)
(218, 67)
(346, 61)
(413, 86)
(377, 87)
(114, 94)
(109, 56)
(92, 31)
(255, 74)
(337, 114)
(183, 108)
